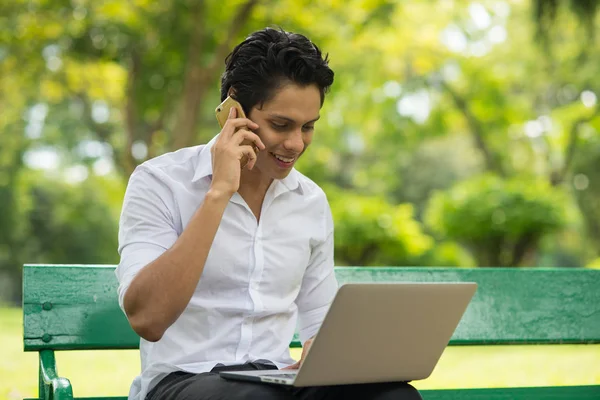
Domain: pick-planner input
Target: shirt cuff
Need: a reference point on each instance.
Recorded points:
(310, 321)
(136, 258)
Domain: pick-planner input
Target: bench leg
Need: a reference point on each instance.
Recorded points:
(51, 386)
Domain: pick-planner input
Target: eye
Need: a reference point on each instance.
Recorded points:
(308, 128)
(278, 126)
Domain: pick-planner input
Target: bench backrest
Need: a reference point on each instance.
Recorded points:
(75, 306)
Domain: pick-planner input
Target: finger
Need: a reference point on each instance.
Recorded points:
(295, 366)
(248, 151)
(233, 124)
(249, 136)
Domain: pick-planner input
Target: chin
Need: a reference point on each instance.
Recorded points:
(273, 171)
(281, 174)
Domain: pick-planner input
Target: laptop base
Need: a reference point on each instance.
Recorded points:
(278, 377)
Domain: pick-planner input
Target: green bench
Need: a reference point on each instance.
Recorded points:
(74, 307)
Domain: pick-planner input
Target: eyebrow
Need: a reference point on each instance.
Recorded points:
(290, 119)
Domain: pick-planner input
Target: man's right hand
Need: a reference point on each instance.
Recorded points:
(229, 150)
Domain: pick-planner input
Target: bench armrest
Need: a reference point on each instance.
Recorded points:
(52, 387)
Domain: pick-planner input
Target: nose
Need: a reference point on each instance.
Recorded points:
(294, 142)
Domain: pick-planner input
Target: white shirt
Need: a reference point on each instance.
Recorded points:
(260, 281)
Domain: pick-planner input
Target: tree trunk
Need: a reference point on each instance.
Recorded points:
(522, 247)
(132, 121)
(476, 130)
(198, 78)
(558, 177)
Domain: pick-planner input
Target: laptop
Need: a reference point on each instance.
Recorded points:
(377, 332)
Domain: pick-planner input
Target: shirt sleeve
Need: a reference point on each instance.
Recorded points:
(146, 226)
(319, 284)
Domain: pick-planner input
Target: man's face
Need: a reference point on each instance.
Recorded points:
(286, 125)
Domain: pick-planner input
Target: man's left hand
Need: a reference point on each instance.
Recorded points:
(305, 349)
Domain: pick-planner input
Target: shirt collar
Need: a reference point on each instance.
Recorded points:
(204, 169)
(291, 182)
(204, 166)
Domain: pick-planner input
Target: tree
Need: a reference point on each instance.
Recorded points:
(499, 220)
(546, 14)
(93, 84)
(163, 58)
(524, 110)
(426, 95)
(369, 231)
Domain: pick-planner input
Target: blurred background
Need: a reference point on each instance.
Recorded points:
(456, 133)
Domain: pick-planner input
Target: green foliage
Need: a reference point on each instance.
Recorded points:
(370, 231)
(500, 220)
(70, 223)
(546, 11)
(586, 186)
(448, 254)
(410, 112)
(59, 223)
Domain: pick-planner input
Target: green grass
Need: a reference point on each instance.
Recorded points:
(492, 366)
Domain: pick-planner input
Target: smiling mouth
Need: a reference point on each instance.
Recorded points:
(283, 162)
(286, 160)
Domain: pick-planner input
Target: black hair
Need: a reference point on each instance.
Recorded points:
(267, 60)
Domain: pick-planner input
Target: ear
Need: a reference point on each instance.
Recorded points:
(231, 91)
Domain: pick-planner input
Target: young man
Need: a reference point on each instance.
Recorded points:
(219, 262)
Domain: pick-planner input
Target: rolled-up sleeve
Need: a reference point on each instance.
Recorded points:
(319, 284)
(146, 226)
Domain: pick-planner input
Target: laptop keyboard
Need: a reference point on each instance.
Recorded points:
(285, 376)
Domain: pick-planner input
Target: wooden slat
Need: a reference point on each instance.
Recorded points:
(101, 398)
(510, 306)
(73, 307)
(534, 393)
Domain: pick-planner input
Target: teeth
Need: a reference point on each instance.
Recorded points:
(286, 160)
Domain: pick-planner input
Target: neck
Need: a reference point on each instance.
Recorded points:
(254, 182)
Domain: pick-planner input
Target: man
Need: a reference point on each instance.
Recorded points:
(219, 262)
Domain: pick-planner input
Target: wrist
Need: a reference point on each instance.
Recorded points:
(218, 195)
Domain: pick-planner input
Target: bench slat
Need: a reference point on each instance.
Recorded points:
(75, 307)
(533, 393)
(512, 305)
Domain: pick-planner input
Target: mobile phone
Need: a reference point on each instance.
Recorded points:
(222, 113)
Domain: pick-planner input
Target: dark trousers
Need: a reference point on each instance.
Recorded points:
(210, 386)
